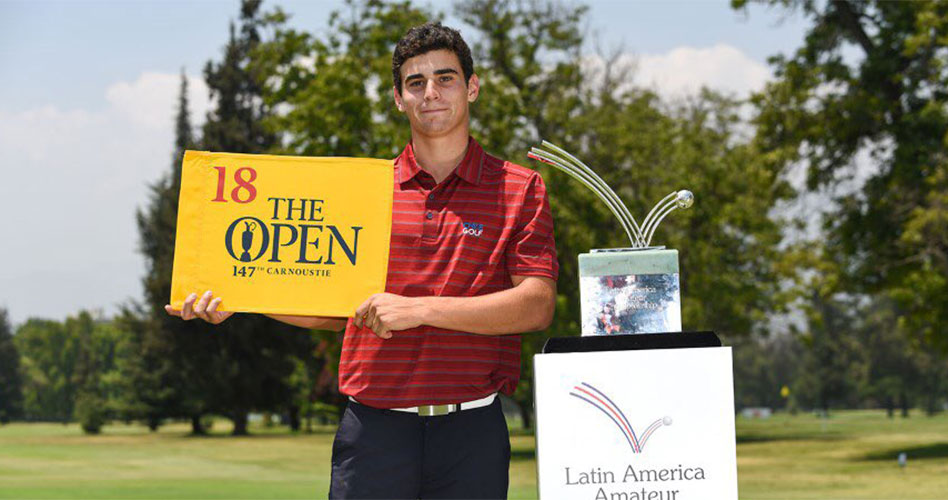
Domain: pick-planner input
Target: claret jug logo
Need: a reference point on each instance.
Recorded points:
(248, 238)
(597, 399)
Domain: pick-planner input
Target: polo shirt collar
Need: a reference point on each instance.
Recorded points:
(469, 169)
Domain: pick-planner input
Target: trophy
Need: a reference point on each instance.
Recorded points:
(625, 290)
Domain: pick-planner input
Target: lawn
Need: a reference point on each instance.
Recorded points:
(850, 455)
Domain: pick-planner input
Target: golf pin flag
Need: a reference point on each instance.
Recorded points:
(282, 234)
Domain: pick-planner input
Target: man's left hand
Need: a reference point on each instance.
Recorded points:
(384, 313)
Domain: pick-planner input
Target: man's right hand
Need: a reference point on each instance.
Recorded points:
(205, 308)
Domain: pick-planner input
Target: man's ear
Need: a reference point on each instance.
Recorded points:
(398, 99)
(473, 88)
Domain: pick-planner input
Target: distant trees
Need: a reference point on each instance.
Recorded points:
(11, 383)
(71, 370)
(862, 107)
(48, 355)
(334, 96)
(187, 369)
(868, 305)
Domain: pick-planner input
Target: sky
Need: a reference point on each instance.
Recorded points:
(88, 93)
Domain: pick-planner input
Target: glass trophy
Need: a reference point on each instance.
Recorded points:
(625, 290)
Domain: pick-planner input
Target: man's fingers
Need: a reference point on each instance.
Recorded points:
(217, 317)
(187, 310)
(172, 311)
(204, 308)
(383, 332)
(200, 308)
(360, 314)
(213, 314)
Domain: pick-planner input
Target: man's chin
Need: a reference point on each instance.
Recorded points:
(434, 129)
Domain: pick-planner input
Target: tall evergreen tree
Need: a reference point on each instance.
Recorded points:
(167, 375)
(11, 383)
(253, 357)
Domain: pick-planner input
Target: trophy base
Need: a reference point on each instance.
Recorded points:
(629, 291)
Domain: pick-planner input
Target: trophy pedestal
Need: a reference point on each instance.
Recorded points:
(629, 291)
(635, 416)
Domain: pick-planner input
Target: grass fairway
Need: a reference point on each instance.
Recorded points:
(850, 455)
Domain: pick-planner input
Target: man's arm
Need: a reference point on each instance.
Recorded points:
(526, 307)
(312, 322)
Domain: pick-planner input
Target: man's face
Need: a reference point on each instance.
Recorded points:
(434, 94)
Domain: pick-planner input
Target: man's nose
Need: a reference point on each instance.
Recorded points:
(431, 91)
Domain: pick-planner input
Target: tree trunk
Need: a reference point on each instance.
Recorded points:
(526, 414)
(153, 423)
(197, 428)
(889, 407)
(240, 423)
(903, 402)
(294, 418)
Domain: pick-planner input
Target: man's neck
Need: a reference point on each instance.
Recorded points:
(440, 155)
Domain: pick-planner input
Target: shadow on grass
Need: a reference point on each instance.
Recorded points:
(801, 436)
(260, 434)
(929, 451)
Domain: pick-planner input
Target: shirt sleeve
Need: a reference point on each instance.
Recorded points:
(531, 250)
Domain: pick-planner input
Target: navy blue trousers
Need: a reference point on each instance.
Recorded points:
(390, 454)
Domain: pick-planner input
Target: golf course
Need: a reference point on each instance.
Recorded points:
(850, 455)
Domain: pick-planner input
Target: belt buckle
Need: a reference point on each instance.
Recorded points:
(434, 410)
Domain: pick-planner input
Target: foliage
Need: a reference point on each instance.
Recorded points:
(166, 374)
(90, 413)
(538, 86)
(11, 383)
(251, 357)
(763, 366)
(870, 85)
(335, 97)
(62, 363)
(48, 355)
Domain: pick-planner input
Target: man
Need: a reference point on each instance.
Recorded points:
(472, 263)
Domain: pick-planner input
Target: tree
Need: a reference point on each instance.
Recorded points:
(861, 105)
(251, 358)
(11, 382)
(763, 366)
(335, 96)
(48, 355)
(537, 86)
(834, 367)
(167, 373)
(89, 405)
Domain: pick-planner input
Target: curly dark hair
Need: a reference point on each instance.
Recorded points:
(425, 38)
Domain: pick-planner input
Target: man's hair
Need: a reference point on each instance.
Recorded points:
(426, 38)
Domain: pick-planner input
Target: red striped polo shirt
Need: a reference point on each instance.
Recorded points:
(487, 221)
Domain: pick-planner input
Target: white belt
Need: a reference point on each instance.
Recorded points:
(438, 410)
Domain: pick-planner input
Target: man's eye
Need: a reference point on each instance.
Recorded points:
(414, 83)
(446, 79)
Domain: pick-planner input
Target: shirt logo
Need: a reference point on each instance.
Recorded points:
(472, 228)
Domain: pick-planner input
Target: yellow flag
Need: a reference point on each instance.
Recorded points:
(283, 234)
